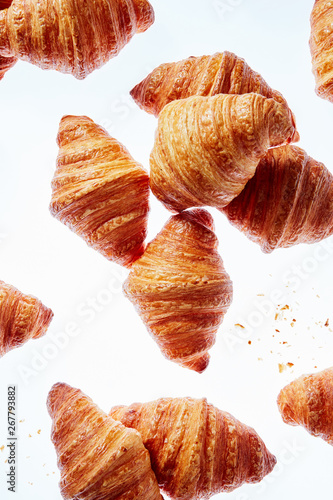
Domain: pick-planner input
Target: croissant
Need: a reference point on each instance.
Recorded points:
(207, 148)
(288, 201)
(5, 64)
(197, 450)
(181, 289)
(98, 457)
(22, 317)
(308, 401)
(99, 191)
(221, 73)
(71, 36)
(321, 47)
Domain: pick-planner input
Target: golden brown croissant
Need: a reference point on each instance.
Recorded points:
(308, 401)
(288, 201)
(99, 191)
(221, 73)
(5, 64)
(22, 317)
(207, 148)
(321, 46)
(181, 289)
(197, 450)
(98, 457)
(71, 36)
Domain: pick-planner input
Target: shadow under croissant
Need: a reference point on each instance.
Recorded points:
(95, 33)
(181, 290)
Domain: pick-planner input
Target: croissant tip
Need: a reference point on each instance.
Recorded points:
(201, 216)
(55, 396)
(145, 15)
(197, 363)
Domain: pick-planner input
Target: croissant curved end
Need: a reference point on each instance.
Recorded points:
(145, 14)
(201, 216)
(56, 397)
(197, 363)
(286, 410)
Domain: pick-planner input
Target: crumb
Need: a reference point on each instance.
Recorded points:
(285, 307)
(260, 359)
(27, 457)
(2, 448)
(318, 296)
(249, 342)
(292, 324)
(277, 330)
(282, 367)
(260, 295)
(30, 435)
(284, 343)
(290, 365)
(327, 322)
(240, 326)
(6, 461)
(316, 366)
(276, 316)
(21, 421)
(39, 431)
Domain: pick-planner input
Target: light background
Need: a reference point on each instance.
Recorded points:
(112, 358)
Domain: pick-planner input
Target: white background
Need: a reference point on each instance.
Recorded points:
(112, 358)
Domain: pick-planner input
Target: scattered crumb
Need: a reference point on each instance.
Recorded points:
(285, 307)
(282, 367)
(260, 359)
(21, 421)
(30, 483)
(240, 326)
